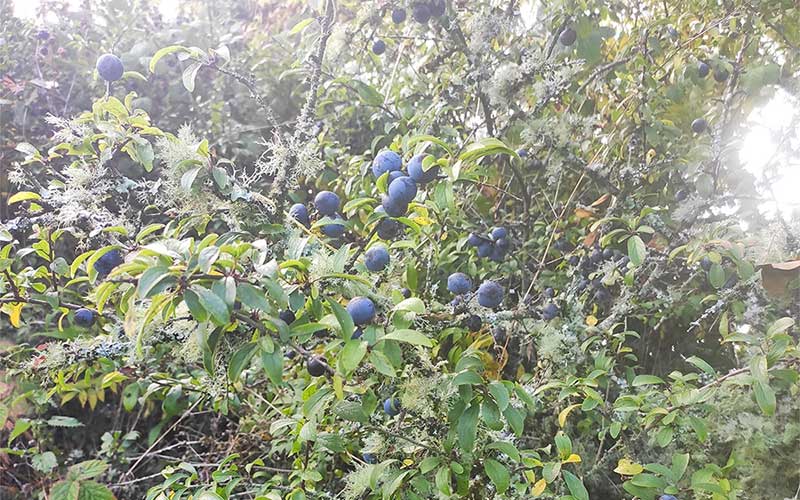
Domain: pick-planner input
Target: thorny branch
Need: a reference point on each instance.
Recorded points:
(305, 122)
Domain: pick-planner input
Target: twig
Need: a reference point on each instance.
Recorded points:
(401, 436)
(264, 331)
(182, 417)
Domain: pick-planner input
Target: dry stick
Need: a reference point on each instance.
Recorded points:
(38, 302)
(254, 94)
(401, 436)
(362, 245)
(137, 480)
(730, 93)
(604, 69)
(692, 39)
(552, 44)
(162, 436)
(540, 266)
(308, 232)
(302, 131)
(390, 83)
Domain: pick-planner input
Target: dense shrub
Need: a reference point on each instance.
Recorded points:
(423, 249)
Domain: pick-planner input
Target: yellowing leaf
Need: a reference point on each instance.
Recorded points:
(423, 221)
(562, 417)
(591, 320)
(539, 487)
(572, 459)
(15, 314)
(626, 467)
(601, 200)
(22, 196)
(408, 462)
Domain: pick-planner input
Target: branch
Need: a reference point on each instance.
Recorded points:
(304, 122)
(185, 414)
(264, 331)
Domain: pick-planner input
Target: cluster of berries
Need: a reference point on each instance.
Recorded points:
(495, 246)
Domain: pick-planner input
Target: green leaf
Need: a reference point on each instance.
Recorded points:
(65, 490)
(209, 495)
(500, 394)
(276, 292)
(367, 93)
(352, 354)
(87, 470)
(188, 178)
(467, 377)
(780, 326)
(207, 257)
(343, 318)
(641, 380)
(62, 421)
(147, 230)
(91, 490)
(700, 363)
(564, 445)
(165, 52)
(20, 426)
(467, 427)
(575, 486)
(499, 474)
(350, 410)
(300, 26)
(515, 419)
(44, 462)
(130, 396)
(390, 488)
(637, 250)
(382, 363)
(505, 447)
(679, 463)
(699, 427)
(485, 147)
(648, 481)
(154, 281)
(412, 304)
(413, 140)
(188, 77)
(765, 397)
(213, 304)
(664, 436)
(240, 359)
(253, 298)
(442, 480)
(408, 336)
(428, 464)
(143, 154)
(220, 176)
(192, 301)
(273, 365)
(716, 276)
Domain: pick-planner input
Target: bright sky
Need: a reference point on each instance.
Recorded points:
(778, 120)
(29, 8)
(769, 124)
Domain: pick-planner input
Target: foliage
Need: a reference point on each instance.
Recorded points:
(645, 342)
